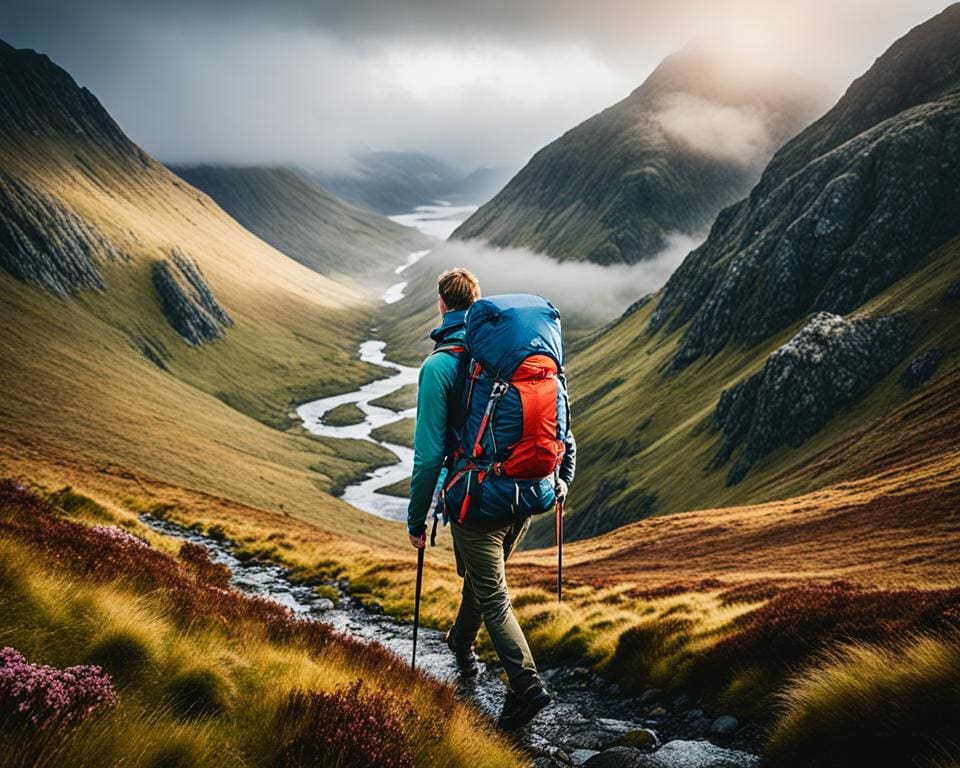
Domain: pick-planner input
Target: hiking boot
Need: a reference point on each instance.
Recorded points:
(520, 708)
(466, 662)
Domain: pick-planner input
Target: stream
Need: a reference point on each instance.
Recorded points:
(588, 713)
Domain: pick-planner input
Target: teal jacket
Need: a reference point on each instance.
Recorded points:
(437, 377)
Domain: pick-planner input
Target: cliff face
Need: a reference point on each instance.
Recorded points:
(690, 140)
(843, 210)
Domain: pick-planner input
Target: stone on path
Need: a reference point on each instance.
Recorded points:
(674, 754)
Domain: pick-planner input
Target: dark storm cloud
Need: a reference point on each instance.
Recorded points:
(474, 82)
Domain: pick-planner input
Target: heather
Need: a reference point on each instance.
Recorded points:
(147, 659)
(46, 697)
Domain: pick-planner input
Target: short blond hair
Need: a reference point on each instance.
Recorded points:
(458, 287)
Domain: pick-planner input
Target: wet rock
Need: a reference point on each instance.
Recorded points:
(846, 208)
(580, 756)
(725, 725)
(649, 695)
(657, 712)
(642, 739)
(693, 714)
(188, 303)
(829, 363)
(921, 368)
(695, 754)
(615, 757)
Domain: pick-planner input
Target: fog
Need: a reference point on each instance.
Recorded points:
(585, 292)
(310, 81)
(731, 134)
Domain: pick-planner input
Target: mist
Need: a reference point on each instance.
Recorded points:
(727, 133)
(309, 82)
(585, 293)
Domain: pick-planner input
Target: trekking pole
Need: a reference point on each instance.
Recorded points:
(416, 607)
(559, 550)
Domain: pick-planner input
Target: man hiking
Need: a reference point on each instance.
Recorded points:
(483, 541)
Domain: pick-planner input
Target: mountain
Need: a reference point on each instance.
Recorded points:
(397, 182)
(144, 332)
(690, 140)
(305, 222)
(816, 326)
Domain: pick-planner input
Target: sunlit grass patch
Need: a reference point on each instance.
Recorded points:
(874, 704)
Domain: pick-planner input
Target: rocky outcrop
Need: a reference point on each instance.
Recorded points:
(842, 211)
(921, 368)
(44, 242)
(829, 363)
(188, 303)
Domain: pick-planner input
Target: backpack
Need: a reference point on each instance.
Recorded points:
(511, 420)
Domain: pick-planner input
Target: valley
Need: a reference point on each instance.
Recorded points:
(209, 379)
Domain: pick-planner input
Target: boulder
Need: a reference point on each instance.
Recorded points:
(921, 368)
(725, 725)
(615, 757)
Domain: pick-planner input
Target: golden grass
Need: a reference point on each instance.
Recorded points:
(56, 618)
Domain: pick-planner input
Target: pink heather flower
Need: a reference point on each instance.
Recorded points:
(120, 536)
(43, 695)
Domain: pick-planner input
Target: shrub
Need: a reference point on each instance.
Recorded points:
(350, 728)
(197, 559)
(877, 705)
(197, 693)
(119, 536)
(43, 696)
(121, 653)
(217, 532)
(76, 504)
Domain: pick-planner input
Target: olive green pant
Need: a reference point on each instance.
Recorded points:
(481, 557)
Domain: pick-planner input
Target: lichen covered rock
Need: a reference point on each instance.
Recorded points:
(829, 363)
(921, 368)
(188, 303)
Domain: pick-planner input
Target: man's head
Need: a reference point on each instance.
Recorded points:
(458, 289)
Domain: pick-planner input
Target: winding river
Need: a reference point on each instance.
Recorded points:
(437, 221)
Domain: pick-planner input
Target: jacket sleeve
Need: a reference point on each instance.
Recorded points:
(568, 467)
(437, 376)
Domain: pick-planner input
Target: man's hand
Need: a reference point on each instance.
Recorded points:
(419, 542)
(561, 490)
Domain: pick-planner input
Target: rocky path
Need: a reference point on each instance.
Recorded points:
(589, 715)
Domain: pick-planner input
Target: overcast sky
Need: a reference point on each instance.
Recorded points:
(477, 83)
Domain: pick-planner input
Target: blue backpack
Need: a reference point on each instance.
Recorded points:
(511, 415)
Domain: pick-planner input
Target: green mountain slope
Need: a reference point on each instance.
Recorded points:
(305, 222)
(142, 330)
(690, 140)
(816, 310)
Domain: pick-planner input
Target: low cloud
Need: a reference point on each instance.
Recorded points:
(584, 292)
(732, 134)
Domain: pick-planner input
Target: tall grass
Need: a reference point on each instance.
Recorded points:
(201, 673)
(874, 704)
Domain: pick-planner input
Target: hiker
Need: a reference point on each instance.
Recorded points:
(481, 546)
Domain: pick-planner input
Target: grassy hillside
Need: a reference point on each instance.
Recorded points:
(307, 223)
(95, 372)
(197, 675)
(860, 230)
(613, 188)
